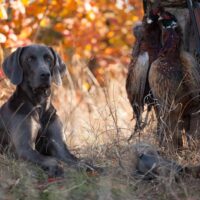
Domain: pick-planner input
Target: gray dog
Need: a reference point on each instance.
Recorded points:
(29, 125)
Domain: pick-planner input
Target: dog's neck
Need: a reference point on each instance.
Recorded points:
(36, 99)
(25, 103)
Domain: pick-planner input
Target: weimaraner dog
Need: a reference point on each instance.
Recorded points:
(29, 125)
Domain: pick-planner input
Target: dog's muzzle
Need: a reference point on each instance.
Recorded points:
(42, 91)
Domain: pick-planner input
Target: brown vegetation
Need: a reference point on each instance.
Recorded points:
(97, 119)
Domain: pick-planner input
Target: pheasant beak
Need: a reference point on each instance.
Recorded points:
(149, 21)
(174, 24)
(160, 18)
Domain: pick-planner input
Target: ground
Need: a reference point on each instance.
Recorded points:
(97, 124)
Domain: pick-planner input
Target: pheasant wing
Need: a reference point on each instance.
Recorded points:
(136, 79)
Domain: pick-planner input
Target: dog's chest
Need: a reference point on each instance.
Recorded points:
(41, 114)
(44, 116)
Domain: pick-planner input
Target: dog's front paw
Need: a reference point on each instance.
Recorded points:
(53, 168)
(55, 171)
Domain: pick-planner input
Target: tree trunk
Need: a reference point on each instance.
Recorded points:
(173, 3)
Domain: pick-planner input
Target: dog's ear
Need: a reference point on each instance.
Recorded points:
(12, 67)
(59, 68)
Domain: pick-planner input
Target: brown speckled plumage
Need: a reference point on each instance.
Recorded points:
(172, 77)
(145, 51)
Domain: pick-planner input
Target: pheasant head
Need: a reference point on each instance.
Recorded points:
(171, 32)
(168, 20)
(152, 8)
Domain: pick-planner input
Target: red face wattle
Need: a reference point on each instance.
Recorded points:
(155, 11)
(168, 17)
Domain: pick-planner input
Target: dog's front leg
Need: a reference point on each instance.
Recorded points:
(23, 134)
(58, 148)
(56, 144)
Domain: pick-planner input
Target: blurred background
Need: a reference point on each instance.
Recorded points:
(95, 39)
(96, 32)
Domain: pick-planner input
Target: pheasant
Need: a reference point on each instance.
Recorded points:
(145, 51)
(171, 76)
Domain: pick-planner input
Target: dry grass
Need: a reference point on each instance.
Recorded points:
(97, 125)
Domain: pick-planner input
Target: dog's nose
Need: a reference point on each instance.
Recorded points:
(45, 76)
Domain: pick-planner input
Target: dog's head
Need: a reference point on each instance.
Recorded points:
(34, 65)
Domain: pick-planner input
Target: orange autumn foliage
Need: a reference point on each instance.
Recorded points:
(100, 29)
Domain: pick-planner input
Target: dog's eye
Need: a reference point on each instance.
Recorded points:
(30, 59)
(48, 58)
